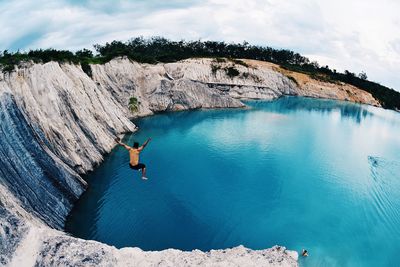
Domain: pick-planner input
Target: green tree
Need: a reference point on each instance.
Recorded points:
(84, 53)
(363, 75)
(133, 104)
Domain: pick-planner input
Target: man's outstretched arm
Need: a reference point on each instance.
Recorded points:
(144, 144)
(122, 144)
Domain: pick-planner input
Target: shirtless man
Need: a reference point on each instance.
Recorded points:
(134, 156)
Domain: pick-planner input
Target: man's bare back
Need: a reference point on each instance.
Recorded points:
(134, 156)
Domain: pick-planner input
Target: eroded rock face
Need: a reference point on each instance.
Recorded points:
(45, 186)
(57, 123)
(12, 231)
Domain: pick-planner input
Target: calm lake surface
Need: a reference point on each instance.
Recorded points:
(303, 173)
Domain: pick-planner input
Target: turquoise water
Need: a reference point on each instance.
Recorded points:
(303, 173)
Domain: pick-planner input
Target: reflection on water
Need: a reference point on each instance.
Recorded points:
(346, 110)
(296, 172)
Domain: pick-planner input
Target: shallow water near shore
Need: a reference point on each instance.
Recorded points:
(303, 173)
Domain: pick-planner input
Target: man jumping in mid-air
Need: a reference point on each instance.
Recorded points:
(134, 156)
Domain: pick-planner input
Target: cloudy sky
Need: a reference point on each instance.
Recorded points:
(358, 35)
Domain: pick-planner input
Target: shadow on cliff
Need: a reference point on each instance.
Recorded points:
(44, 185)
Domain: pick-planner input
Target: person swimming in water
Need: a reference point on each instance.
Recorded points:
(134, 155)
(304, 253)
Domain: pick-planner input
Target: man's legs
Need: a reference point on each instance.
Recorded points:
(142, 167)
(144, 173)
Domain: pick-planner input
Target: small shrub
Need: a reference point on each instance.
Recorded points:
(245, 75)
(256, 78)
(231, 72)
(87, 69)
(323, 78)
(215, 68)
(219, 60)
(349, 92)
(292, 79)
(133, 104)
(239, 62)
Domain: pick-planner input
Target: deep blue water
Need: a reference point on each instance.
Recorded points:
(303, 173)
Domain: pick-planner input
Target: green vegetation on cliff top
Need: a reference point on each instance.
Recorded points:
(158, 49)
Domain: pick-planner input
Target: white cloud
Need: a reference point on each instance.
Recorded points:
(355, 35)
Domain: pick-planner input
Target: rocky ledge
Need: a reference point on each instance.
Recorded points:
(57, 123)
